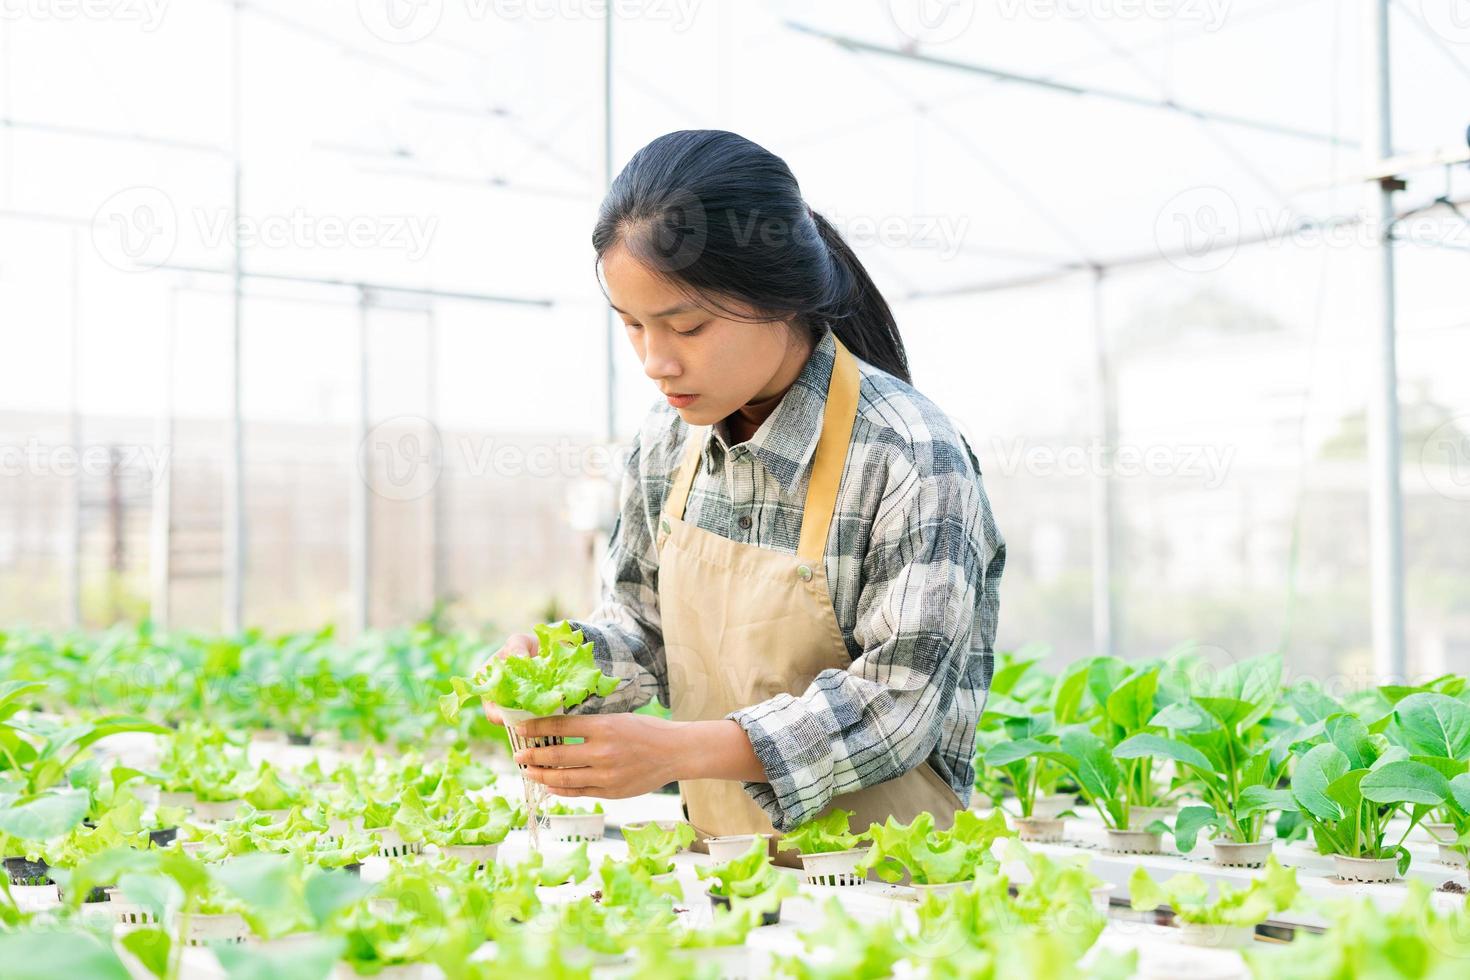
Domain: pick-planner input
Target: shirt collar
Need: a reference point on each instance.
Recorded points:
(787, 439)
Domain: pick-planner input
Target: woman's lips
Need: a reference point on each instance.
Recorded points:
(681, 401)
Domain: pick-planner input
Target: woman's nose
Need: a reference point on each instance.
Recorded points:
(658, 360)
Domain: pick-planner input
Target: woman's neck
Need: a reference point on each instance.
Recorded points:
(745, 420)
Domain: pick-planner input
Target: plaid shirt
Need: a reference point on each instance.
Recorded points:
(913, 562)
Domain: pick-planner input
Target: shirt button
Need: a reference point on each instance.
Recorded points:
(745, 523)
(803, 572)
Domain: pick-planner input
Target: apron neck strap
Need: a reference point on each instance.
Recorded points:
(827, 462)
(831, 455)
(684, 475)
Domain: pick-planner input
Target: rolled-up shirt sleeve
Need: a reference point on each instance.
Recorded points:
(624, 629)
(923, 571)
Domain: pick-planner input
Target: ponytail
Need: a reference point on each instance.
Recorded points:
(723, 218)
(861, 318)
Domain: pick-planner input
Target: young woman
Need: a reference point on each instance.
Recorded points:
(805, 568)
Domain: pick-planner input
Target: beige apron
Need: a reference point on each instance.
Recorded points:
(743, 623)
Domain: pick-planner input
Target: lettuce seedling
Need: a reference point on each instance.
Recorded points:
(571, 866)
(933, 857)
(824, 834)
(1367, 937)
(982, 931)
(266, 790)
(563, 674)
(751, 880)
(477, 822)
(651, 848)
(1272, 891)
(857, 948)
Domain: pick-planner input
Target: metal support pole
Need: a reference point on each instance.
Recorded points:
(607, 178)
(437, 576)
(1104, 594)
(71, 556)
(1385, 501)
(359, 526)
(233, 468)
(160, 527)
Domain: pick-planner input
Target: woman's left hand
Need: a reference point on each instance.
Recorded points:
(622, 755)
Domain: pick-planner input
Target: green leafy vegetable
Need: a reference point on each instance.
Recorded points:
(930, 856)
(750, 880)
(563, 674)
(1272, 891)
(652, 849)
(1350, 787)
(824, 834)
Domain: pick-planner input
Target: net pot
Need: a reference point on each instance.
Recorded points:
(833, 868)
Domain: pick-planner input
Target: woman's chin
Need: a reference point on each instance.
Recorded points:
(697, 414)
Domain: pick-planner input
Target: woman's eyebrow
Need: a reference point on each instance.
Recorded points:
(671, 311)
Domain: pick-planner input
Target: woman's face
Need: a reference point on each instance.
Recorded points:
(706, 364)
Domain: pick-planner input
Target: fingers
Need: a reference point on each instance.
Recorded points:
(553, 756)
(519, 645)
(516, 645)
(561, 779)
(492, 713)
(567, 726)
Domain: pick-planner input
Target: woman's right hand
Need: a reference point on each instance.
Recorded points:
(516, 645)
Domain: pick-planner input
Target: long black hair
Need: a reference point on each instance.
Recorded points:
(723, 218)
